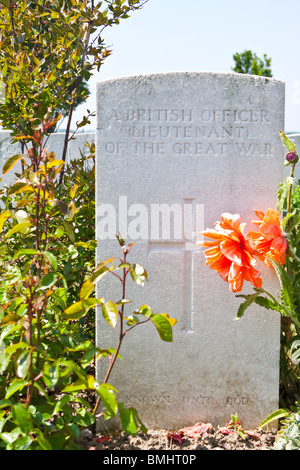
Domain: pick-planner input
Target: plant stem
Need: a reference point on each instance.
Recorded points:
(289, 200)
(121, 336)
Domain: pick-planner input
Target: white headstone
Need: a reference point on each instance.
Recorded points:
(193, 145)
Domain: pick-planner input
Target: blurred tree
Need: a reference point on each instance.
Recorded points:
(247, 62)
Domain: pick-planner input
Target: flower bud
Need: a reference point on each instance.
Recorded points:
(291, 157)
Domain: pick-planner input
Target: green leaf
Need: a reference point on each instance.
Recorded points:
(84, 418)
(85, 382)
(110, 313)
(100, 271)
(286, 286)
(266, 303)
(88, 357)
(22, 228)
(15, 386)
(107, 395)
(50, 374)
(130, 420)
(287, 142)
(69, 230)
(138, 274)
(282, 192)
(144, 310)
(10, 163)
(10, 437)
(295, 351)
(23, 443)
(51, 258)
(22, 417)
(291, 221)
(22, 363)
(80, 308)
(281, 413)
(42, 441)
(10, 318)
(3, 218)
(25, 251)
(244, 305)
(163, 326)
(48, 280)
(86, 289)
(5, 404)
(14, 347)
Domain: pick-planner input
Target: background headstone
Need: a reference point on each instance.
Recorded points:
(201, 144)
(7, 150)
(55, 143)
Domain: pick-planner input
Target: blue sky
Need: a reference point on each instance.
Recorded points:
(201, 36)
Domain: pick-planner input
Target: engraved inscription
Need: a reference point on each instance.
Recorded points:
(147, 400)
(237, 400)
(204, 132)
(199, 400)
(187, 400)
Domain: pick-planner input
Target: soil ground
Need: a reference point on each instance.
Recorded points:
(210, 439)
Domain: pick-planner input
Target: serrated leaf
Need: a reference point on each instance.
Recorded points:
(244, 305)
(282, 193)
(286, 286)
(290, 221)
(281, 413)
(266, 303)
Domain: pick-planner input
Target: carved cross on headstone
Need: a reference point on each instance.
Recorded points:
(192, 224)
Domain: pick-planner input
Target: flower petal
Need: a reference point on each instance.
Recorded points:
(232, 251)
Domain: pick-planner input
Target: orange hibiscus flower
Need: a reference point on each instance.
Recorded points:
(230, 254)
(269, 240)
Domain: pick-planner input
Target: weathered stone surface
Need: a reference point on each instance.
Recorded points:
(202, 144)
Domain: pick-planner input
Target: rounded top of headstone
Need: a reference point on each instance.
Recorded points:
(225, 76)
